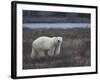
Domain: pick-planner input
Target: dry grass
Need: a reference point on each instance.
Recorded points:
(75, 49)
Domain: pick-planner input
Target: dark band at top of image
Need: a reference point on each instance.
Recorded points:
(47, 19)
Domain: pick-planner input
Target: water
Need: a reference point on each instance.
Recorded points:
(56, 25)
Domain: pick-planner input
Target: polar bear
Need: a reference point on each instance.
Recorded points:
(42, 44)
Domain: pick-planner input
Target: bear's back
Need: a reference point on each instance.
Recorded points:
(42, 42)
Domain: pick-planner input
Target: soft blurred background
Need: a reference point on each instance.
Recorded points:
(73, 27)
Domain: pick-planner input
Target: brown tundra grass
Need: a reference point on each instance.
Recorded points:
(75, 49)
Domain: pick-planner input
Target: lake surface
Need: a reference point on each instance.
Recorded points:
(56, 25)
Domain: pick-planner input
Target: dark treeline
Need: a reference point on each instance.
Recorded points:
(47, 16)
(27, 13)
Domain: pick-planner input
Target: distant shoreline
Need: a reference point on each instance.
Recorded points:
(56, 25)
(55, 20)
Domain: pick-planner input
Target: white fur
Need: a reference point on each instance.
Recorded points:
(50, 44)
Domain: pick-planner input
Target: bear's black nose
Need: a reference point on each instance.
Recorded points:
(58, 41)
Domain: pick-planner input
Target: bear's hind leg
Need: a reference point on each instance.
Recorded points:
(33, 53)
(41, 53)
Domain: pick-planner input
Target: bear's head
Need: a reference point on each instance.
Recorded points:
(58, 40)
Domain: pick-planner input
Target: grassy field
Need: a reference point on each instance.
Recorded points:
(75, 49)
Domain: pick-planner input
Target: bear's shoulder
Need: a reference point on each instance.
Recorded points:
(42, 39)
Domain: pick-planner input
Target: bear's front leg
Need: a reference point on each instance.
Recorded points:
(57, 50)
